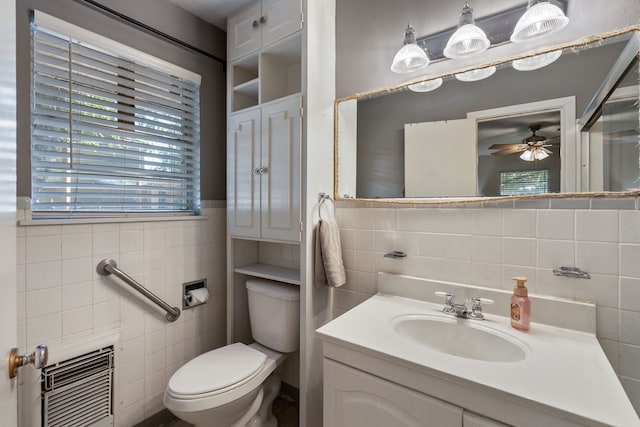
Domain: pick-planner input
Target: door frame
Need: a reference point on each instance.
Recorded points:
(570, 153)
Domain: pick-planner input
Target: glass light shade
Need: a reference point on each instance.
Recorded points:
(410, 57)
(527, 156)
(539, 20)
(475, 75)
(468, 39)
(536, 62)
(540, 154)
(534, 154)
(426, 86)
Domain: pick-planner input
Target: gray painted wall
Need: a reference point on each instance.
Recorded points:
(381, 120)
(166, 17)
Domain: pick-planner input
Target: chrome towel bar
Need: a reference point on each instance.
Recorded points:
(109, 266)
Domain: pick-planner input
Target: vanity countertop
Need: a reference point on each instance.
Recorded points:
(566, 371)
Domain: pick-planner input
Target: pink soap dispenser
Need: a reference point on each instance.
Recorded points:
(520, 305)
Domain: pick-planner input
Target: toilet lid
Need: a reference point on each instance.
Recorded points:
(216, 369)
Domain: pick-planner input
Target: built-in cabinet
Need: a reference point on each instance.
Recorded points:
(356, 398)
(264, 144)
(260, 24)
(263, 163)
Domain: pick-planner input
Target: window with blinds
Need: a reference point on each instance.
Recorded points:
(520, 183)
(109, 135)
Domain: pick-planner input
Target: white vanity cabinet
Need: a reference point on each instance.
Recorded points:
(261, 23)
(469, 419)
(263, 172)
(356, 398)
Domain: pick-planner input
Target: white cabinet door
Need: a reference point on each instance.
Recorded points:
(260, 24)
(243, 32)
(470, 419)
(263, 172)
(354, 398)
(280, 18)
(243, 178)
(432, 150)
(280, 177)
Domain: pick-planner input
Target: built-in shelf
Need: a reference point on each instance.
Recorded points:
(271, 272)
(249, 87)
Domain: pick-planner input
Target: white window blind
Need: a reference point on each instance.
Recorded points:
(520, 183)
(108, 134)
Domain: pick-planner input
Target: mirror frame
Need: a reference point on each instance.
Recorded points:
(602, 94)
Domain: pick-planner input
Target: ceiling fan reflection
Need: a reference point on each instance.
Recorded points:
(532, 148)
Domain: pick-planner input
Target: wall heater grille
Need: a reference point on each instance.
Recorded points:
(79, 391)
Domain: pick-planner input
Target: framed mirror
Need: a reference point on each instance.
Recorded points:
(521, 137)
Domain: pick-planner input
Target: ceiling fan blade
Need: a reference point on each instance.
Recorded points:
(507, 151)
(519, 146)
(546, 151)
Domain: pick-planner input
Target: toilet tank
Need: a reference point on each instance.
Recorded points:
(274, 313)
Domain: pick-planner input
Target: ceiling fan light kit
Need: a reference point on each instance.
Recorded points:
(531, 148)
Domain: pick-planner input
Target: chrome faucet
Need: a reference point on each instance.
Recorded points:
(460, 310)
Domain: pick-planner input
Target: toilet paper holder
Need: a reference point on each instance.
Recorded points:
(187, 288)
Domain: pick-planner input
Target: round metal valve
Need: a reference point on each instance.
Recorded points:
(38, 358)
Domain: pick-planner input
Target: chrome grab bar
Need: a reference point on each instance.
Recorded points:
(109, 266)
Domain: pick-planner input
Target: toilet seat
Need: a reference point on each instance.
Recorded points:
(246, 369)
(215, 371)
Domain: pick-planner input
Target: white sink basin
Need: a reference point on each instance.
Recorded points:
(466, 338)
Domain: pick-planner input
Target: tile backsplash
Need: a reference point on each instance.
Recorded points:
(487, 246)
(62, 299)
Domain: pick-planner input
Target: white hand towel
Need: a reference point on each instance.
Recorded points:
(329, 268)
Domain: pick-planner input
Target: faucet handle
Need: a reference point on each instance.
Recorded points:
(443, 294)
(448, 301)
(476, 307)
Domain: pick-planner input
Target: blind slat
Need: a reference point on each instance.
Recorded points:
(108, 134)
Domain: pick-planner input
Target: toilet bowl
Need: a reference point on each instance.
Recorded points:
(235, 385)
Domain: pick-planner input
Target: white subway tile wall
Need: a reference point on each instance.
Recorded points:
(487, 246)
(61, 298)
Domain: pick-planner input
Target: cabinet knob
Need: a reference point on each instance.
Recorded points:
(255, 171)
(264, 169)
(255, 23)
(263, 20)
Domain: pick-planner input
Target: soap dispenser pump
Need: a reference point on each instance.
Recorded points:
(520, 305)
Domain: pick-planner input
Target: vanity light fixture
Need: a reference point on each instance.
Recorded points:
(541, 18)
(410, 57)
(426, 86)
(475, 75)
(536, 62)
(468, 39)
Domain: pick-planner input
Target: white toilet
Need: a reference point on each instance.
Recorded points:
(235, 385)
